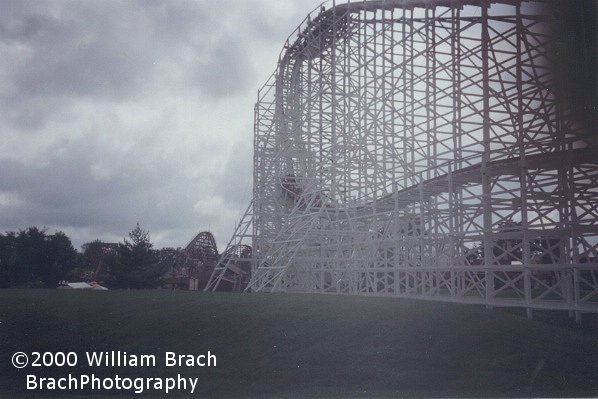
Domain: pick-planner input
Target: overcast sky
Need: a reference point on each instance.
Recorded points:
(114, 112)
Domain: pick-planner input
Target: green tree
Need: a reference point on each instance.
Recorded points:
(35, 258)
(135, 264)
(8, 261)
(60, 258)
(31, 254)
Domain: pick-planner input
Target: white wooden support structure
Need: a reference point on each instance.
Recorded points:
(417, 148)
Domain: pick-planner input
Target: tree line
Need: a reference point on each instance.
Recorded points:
(34, 258)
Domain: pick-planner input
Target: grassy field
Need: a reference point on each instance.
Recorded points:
(304, 345)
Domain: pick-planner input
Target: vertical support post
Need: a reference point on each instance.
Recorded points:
(421, 237)
(526, 250)
(452, 238)
(428, 83)
(486, 186)
(404, 109)
(576, 282)
(456, 72)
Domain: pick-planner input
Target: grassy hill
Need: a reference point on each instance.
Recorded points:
(280, 345)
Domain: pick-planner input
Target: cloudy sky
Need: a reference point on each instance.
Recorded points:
(114, 112)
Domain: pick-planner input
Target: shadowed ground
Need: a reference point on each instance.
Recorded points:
(270, 345)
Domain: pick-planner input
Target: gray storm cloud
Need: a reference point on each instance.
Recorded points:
(118, 112)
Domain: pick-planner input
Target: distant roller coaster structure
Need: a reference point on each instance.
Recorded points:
(417, 148)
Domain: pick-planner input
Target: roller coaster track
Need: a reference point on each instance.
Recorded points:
(417, 148)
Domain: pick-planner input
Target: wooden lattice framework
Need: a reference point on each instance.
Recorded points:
(416, 148)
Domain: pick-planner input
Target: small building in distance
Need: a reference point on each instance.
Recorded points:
(81, 285)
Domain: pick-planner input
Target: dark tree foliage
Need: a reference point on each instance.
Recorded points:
(9, 273)
(34, 258)
(60, 258)
(135, 264)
